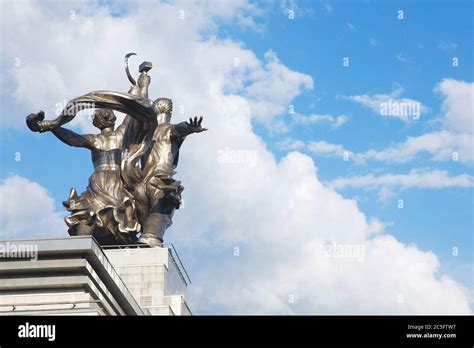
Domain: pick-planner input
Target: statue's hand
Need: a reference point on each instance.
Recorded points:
(37, 123)
(33, 120)
(46, 126)
(195, 125)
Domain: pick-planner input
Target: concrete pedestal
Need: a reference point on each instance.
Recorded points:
(74, 275)
(155, 277)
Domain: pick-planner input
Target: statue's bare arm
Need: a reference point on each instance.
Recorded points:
(126, 121)
(65, 135)
(73, 139)
(183, 129)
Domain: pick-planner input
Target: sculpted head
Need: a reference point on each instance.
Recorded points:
(164, 108)
(103, 118)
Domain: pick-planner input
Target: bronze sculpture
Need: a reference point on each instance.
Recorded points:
(132, 189)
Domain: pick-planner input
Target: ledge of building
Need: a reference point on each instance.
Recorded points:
(74, 275)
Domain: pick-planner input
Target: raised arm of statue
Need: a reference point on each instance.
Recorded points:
(183, 129)
(126, 121)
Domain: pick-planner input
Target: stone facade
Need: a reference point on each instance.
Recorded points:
(74, 275)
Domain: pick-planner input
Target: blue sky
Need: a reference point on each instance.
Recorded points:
(438, 219)
(396, 58)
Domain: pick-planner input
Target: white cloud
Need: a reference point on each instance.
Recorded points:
(272, 88)
(340, 120)
(279, 127)
(389, 184)
(328, 8)
(415, 178)
(441, 146)
(385, 194)
(334, 121)
(376, 226)
(391, 105)
(402, 58)
(328, 149)
(447, 46)
(294, 5)
(291, 144)
(458, 107)
(277, 213)
(453, 143)
(26, 209)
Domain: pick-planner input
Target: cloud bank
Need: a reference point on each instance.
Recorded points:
(453, 142)
(26, 209)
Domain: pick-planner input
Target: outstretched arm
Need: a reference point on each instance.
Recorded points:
(183, 129)
(73, 139)
(65, 135)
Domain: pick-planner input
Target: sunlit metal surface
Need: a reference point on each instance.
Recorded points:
(132, 189)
